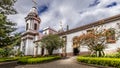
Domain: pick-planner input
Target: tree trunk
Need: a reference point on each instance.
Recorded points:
(103, 53)
(92, 53)
(50, 51)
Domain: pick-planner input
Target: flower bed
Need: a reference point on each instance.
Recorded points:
(37, 60)
(113, 62)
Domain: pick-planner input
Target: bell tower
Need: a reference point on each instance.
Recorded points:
(32, 20)
(31, 33)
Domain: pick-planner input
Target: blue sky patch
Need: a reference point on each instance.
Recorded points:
(96, 2)
(111, 5)
(42, 9)
(41, 31)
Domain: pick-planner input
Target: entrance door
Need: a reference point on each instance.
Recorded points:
(42, 51)
(75, 51)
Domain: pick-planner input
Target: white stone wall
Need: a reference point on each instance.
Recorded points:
(110, 47)
(56, 51)
(69, 48)
(39, 50)
(46, 32)
(29, 50)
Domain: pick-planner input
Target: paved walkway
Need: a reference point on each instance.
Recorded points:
(63, 63)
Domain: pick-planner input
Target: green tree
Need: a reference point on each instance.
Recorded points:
(17, 39)
(6, 27)
(6, 7)
(6, 51)
(52, 42)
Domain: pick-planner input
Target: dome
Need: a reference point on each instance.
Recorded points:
(34, 10)
(33, 14)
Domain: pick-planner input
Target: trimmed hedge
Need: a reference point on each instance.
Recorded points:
(13, 58)
(7, 59)
(113, 62)
(37, 60)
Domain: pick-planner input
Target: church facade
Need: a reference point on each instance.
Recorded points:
(30, 40)
(105, 24)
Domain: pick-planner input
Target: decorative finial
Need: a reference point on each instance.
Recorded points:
(35, 3)
(61, 26)
(67, 27)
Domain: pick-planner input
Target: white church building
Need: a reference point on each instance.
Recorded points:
(30, 40)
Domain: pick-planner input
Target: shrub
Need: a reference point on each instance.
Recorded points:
(37, 60)
(5, 52)
(113, 62)
(116, 55)
(7, 59)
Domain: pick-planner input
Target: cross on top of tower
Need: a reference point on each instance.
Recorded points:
(35, 3)
(61, 27)
(60, 24)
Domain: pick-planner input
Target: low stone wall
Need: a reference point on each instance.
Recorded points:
(11, 64)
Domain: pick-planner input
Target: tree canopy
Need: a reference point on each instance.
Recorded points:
(6, 7)
(6, 26)
(52, 42)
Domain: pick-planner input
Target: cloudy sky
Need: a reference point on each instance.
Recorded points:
(74, 13)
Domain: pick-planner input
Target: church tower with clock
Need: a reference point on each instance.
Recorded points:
(32, 32)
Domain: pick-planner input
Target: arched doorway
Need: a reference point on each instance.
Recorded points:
(76, 45)
(42, 51)
(75, 51)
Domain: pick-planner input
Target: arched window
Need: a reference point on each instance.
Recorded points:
(35, 26)
(75, 41)
(27, 26)
(110, 35)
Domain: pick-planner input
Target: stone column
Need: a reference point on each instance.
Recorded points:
(35, 50)
(21, 46)
(26, 47)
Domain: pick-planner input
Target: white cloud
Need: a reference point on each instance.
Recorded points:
(72, 12)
